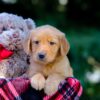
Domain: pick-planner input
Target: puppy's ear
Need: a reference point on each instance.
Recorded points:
(64, 45)
(27, 44)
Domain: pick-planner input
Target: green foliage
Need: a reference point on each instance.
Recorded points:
(84, 43)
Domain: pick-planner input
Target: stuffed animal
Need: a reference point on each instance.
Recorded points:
(13, 30)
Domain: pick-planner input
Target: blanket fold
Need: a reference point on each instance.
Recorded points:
(20, 89)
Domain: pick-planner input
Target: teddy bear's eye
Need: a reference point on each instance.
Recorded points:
(21, 29)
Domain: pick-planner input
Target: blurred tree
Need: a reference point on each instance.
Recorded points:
(84, 11)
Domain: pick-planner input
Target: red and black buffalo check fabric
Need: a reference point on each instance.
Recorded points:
(20, 89)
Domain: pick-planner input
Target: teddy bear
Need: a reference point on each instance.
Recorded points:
(13, 30)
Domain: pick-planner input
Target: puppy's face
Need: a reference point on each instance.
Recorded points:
(45, 44)
(44, 47)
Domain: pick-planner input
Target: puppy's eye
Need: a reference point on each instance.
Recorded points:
(52, 43)
(36, 42)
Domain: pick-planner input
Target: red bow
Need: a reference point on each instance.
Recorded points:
(4, 53)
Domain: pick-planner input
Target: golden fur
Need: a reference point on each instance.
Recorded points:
(49, 72)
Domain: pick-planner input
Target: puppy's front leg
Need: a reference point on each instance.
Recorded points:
(52, 83)
(38, 81)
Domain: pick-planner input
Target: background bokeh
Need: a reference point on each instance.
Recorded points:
(80, 21)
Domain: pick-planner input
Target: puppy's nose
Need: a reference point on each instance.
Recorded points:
(41, 56)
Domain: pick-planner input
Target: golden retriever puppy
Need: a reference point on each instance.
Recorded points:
(49, 65)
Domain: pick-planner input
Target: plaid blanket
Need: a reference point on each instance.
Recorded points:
(20, 89)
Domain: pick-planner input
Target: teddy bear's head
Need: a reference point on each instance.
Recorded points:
(13, 30)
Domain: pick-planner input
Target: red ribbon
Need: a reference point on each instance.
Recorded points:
(4, 53)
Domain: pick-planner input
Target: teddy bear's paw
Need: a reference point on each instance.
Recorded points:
(38, 81)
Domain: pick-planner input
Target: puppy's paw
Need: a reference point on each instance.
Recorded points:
(50, 89)
(52, 84)
(38, 81)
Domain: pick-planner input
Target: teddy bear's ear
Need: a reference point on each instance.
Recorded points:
(30, 23)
